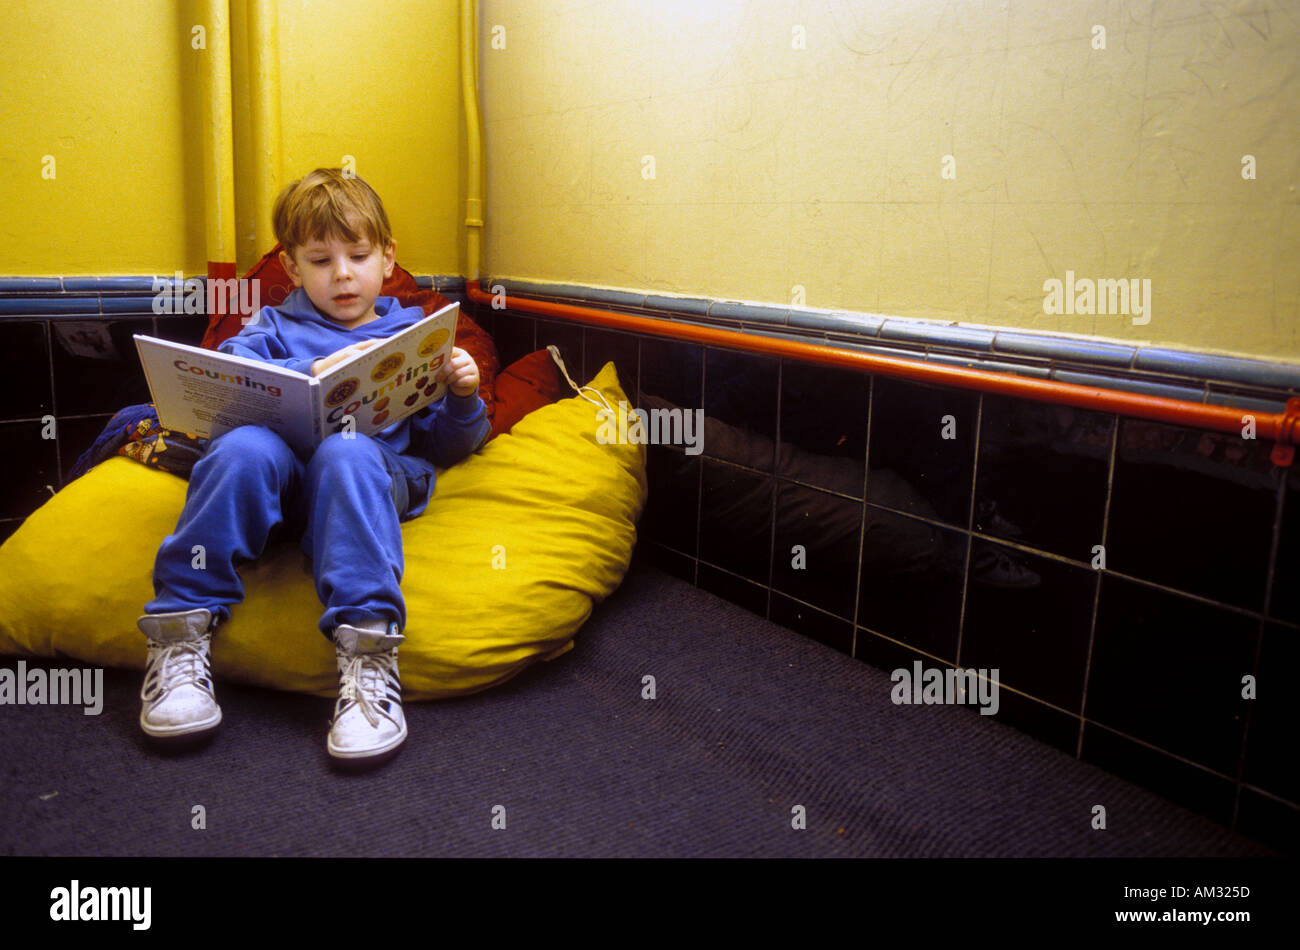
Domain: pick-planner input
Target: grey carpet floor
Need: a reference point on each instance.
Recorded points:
(749, 721)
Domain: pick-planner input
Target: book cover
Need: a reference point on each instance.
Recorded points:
(206, 393)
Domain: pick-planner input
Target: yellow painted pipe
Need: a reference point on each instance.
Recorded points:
(264, 86)
(217, 140)
(473, 136)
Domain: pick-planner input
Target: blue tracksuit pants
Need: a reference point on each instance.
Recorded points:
(347, 502)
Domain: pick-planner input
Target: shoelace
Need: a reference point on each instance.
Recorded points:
(178, 662)
(364, 681)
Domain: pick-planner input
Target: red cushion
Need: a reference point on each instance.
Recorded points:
(274, 286)
(526, 384)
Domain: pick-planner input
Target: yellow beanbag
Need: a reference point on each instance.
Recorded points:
(503, 567)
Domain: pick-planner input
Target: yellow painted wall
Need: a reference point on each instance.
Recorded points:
(97, 86)
(110, 90)
(821, 167)
(379, 82)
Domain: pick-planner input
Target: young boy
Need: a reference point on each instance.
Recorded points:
(347, 499)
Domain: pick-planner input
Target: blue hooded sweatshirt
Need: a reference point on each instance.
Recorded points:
(295, 334)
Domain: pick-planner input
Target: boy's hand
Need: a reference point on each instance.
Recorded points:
(338, 356)
(460, 373)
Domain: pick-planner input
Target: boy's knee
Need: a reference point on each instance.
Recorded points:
(346, 448)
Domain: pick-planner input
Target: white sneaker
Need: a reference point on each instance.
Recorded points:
(368, 723)
(177, 696)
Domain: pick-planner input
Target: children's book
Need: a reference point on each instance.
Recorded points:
(206, 393)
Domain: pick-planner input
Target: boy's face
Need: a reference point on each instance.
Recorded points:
(341, 279)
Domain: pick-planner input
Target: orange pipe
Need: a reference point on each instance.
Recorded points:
(1282, 428)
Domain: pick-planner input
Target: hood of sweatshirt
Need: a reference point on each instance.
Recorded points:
(299, 307)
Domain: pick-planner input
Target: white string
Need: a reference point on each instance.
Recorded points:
(555, 355)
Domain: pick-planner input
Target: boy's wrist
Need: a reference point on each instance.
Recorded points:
(464, 406)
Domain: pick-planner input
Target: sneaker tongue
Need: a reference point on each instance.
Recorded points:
(354, 641)
(175, 627)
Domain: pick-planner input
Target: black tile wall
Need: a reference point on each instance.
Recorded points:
(1275, 716)
(911, 582)
(671, 516)
(740, 398)
(1285, 596)
(31, 474)
(1168, 670)
(815, 552)
(1177, 779)
(1113, 571)
(96, 364)
(823, 427)
(1028, 616)
(1193, 510)
(25, 384)
(899, 522)
(62, 378)
(515, 337)
(601, 347)
(736, 520)
(835, 632)
(1042, 475)
(567, 338)
(672, 372)
(926, 437)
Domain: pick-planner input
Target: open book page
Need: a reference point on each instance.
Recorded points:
(390, 381)
(207, 393)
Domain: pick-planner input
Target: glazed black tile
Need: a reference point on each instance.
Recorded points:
(672, 371)
(1044, 723)
(823, 426)
(1285, 597)
(1167, 670)
(568, 338)
(1178, 781)
(1042, 473)
(812, 623)
(672, 507)
(513, 335)
(735, 589)
(925, 437)
(96, 365)
(32, 470)
(736, 519)
(1275, 717)
(182, 328)
(884, 654)
(815, 555)
(76, 436)
(24, 369)
(666, 559)
(606, 346)
(1269, 821)
(482, 315)
(740, 393)
(1029, 617)
(911, 581)
(1192, 510)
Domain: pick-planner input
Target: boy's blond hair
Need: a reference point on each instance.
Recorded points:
(326, 204)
